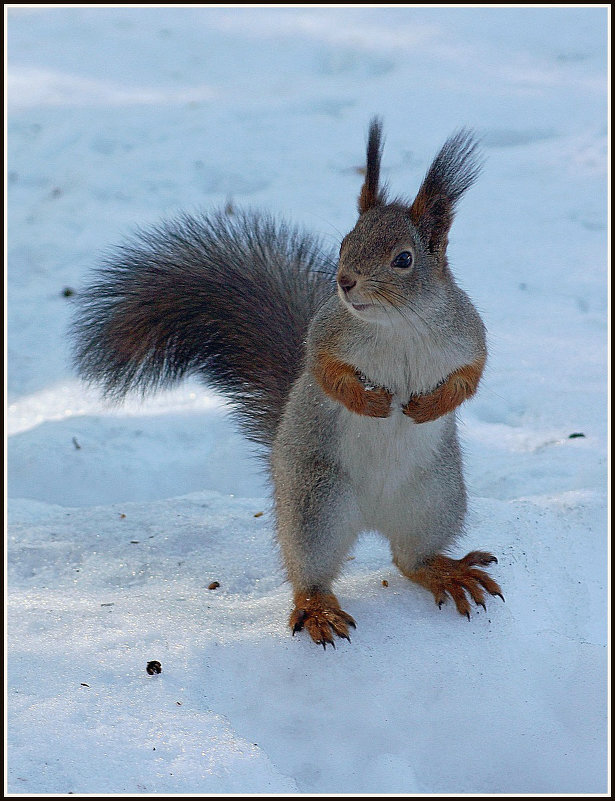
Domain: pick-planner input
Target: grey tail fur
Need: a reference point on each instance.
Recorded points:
(228, 298)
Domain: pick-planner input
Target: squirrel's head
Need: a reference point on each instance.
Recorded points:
(397, 250)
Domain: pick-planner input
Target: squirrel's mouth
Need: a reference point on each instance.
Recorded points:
(358, 305)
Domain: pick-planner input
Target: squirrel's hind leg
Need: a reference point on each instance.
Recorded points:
(314, 555)
(316, 528)
(457, 578)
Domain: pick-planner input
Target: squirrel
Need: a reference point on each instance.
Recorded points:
(348, 368)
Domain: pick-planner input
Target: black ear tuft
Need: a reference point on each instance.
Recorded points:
(371, 195)
(452, 172)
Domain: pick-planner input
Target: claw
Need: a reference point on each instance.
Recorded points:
(298, 624)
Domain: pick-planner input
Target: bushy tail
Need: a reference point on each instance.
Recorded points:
(227, 297)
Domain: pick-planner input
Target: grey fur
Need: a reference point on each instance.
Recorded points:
(228, 298)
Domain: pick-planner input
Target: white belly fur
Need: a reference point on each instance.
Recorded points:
(383, 460)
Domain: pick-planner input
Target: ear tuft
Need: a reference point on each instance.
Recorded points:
(371, 195)
(452, 173)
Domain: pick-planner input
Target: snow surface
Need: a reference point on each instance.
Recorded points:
(121, 517)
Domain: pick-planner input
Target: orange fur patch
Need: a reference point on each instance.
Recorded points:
(457, 388)
(342, 383)
(368, 199)
(419, 207)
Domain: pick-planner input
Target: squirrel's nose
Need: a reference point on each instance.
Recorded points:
(346, 282)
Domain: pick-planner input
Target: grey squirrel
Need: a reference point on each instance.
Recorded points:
(347, 368)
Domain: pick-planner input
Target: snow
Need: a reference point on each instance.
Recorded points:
(120, 517)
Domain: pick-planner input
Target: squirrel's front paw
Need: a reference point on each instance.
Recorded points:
(320, 614)
(447, 396)
(425, 408)
(377, 402)
(343, 383)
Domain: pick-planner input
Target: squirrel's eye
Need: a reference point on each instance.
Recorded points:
(403, 261)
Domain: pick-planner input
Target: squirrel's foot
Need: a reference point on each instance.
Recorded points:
(321, 615)
(442, 575)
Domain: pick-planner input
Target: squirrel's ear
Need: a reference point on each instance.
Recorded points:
(371, 195)
(452, 172)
